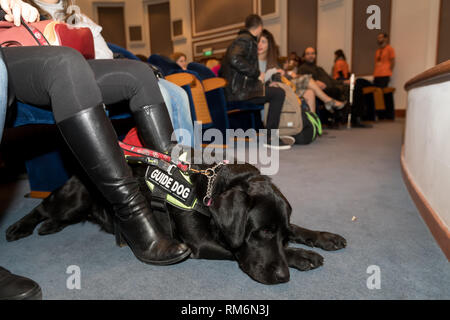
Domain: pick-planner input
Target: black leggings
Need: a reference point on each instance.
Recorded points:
(275, 97)
(60, 78)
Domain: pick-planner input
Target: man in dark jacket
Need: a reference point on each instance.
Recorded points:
(245, 82)
(334, 88)
(329, 85)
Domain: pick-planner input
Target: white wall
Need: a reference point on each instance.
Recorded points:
(180, 9)
(414, 36)
(427, 147)
(334, 32)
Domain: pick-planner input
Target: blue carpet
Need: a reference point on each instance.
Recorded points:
(343, 174)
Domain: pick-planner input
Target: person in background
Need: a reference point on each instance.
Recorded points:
(245, 81)
(384, 61)
(214, 65)
(175, 98)
(325, 82)
(294, 61)
(180, 59)
(340, 68)
(384, 65)
(305, 85)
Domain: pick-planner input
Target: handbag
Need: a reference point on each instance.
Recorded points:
(45, 33)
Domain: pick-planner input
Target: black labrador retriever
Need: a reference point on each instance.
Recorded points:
(248, 222)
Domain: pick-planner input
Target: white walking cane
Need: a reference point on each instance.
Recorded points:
(352, 88)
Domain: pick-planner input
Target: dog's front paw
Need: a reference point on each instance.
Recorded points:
(303, 260)
(18, 231)
(330, 241)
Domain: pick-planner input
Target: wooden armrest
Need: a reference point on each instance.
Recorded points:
(367, 90)
(213, 83)
(388, 90)
(181, 79)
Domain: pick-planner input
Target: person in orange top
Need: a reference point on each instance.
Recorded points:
(384, 61)
(340, 69)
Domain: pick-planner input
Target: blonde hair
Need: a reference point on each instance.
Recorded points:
(211, 63)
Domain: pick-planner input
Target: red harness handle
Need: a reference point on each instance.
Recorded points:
(133, 150)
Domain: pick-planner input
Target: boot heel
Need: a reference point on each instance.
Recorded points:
(120, 241)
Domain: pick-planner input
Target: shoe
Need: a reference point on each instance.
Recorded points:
(154, 127)
(14, 287)
(358, 124)
(92, 139)
(288, 140)
(279, 143)
(331, 106)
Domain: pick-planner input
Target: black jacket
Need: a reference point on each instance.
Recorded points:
(317, 73)
(241, 70)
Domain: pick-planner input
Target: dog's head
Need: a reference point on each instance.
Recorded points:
(253, 218)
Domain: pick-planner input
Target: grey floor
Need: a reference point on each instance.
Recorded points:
(344, 174)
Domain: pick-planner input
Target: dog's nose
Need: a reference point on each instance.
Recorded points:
(282, 274)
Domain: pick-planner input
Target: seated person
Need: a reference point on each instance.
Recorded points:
(76, 90)
(245, 81)
(384, 66)
(180, 59)
(340, 68)
(175, 98)
(305, 86)
(334, 88)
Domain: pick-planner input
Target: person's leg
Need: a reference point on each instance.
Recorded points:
(381, 82)
(60, 77)
(181, 113)
(3, 95)
(323, 96)
(310, 98)
(358, 102)
(275, 97)
(135, 82)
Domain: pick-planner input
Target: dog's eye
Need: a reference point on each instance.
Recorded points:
(267, 232)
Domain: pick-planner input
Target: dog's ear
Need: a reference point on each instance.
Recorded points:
(230, 211)
(285, 201)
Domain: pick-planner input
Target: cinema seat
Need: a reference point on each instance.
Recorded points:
(383, 101)
(191, 82)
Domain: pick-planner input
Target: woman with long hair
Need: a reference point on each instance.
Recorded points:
(305, 85)
(340, 68)
(180, 59)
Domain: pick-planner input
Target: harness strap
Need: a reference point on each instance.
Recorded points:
(144, 152)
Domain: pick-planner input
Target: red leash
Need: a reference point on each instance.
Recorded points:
(134, 150)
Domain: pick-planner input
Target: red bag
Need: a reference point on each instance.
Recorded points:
(26, 35)
(48, 32)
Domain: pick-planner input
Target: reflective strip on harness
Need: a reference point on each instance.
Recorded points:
(173, 199)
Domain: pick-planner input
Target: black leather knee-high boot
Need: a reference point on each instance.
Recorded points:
(154, 127)
(91, 137)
